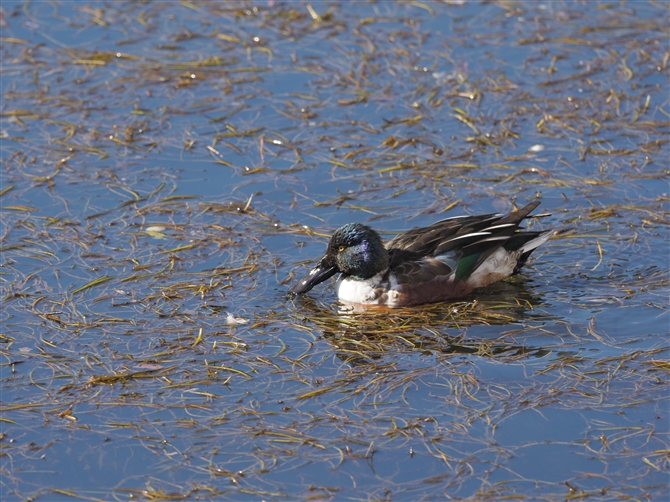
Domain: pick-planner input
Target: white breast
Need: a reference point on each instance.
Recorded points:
(368, 292)
(351, 290)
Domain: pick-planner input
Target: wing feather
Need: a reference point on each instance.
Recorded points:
(421, 252)
(422, 271)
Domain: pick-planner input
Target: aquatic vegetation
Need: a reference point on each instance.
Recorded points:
(168, 169)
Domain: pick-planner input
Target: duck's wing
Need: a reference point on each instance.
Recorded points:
(423, 270)
(460, 244)
(424, 240)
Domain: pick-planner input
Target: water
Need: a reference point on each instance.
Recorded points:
(170, 169)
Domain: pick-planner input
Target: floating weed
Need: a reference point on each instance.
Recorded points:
(167, 177)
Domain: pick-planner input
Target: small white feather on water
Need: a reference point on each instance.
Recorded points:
(234, 321)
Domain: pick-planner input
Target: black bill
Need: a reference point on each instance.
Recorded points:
(318, 274)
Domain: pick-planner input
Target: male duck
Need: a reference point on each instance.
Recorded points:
(447, 259)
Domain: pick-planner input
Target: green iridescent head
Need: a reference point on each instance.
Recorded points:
(355, 250)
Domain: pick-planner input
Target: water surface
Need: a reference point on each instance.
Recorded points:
(169, 169)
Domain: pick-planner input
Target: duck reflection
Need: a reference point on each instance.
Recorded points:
(362, 335)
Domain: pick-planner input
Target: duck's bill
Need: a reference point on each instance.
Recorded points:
(317, 275)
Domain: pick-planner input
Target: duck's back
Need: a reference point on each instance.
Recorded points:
(451, 257)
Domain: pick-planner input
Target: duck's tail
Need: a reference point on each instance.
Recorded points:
(526, 243)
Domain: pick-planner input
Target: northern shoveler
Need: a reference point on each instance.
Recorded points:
(445, 260)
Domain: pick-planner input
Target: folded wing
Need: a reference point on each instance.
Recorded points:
(461, 244)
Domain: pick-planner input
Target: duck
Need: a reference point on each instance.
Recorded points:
(443, 261)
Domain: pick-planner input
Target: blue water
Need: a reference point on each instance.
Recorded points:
(558, 378)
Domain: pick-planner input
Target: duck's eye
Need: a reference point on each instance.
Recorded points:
(341, 248)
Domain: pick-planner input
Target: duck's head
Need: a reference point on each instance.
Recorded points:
(354, 249)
